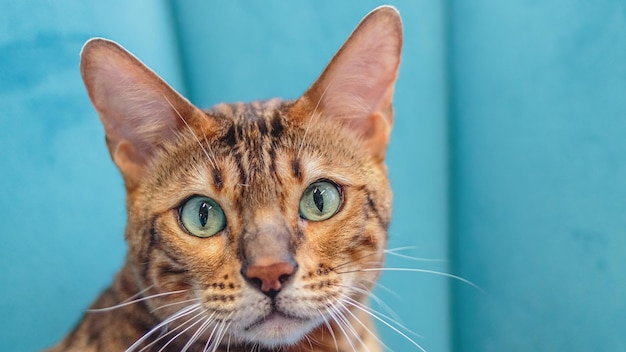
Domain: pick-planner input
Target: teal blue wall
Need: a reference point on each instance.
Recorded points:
(508, 158)
(278, 48)
(538, 141)
(61, 199)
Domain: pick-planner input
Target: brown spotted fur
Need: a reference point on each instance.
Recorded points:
(255, 160)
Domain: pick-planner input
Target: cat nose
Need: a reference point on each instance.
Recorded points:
(269, 275)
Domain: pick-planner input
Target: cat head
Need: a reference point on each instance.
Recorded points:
(263, 217)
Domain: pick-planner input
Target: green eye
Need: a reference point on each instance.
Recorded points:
(320, 201)
(202, 217)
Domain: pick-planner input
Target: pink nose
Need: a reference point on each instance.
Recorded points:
(269, 278)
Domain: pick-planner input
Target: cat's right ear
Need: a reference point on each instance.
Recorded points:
(356, 88)
(137, 108)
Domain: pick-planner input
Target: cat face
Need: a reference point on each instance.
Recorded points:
(259, 178)
(255, 222)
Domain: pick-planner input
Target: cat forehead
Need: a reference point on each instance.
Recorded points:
(258, 145)
(242, 123)
(243, 113)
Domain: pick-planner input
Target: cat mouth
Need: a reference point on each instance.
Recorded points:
(275, 318)
(277, 328)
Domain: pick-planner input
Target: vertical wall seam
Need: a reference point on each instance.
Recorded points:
(449, 55)
(181, 56)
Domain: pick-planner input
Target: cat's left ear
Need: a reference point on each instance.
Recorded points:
(139, 111)
(357, 85)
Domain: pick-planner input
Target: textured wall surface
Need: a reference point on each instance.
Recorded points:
(508, 140)
(277, 48)
(61, 198)
(538, 102)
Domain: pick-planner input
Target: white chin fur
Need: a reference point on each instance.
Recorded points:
(281, 331)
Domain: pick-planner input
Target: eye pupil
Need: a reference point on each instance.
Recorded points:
(203, 214)
(318, 199)
(201, 217)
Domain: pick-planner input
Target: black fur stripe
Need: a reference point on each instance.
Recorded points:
(382, 219)
(217, 178)
(243, 175)
(229, 137)
(262, 125)
(154, 244)
(277, 125)
(296, 168)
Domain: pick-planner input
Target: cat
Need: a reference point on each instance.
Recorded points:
(251, 227)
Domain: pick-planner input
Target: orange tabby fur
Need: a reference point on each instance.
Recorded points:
(255, 160)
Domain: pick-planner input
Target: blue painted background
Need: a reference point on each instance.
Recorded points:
(538, 140)
(508, 156)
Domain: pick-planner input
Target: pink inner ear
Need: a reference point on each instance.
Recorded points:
(359, 81)
(357, 86)
(134, 104)
(143, 117)
(138, 109)
(131, 107)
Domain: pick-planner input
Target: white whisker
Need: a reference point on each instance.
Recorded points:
(127, 303)
(398, 249)
(211, 151)
(358, 306)
(192, 132)
(175, 304)
(220, 328)
(313, 116)
(185, 311)
(349, 326)
(352, 261)
(404, 256)
(228, 344)
(201, 330)
(184, 330)
(418, 271)
(220, 334)
(308, 339)
(333, 313)
(371, 311)
(388, 290)
(210, 339)
(169, 332)
(367, 329)
(393, 315)
(330, 329)
(138, 294)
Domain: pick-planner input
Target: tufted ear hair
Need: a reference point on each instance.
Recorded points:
(138, 109)
(357, 85)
